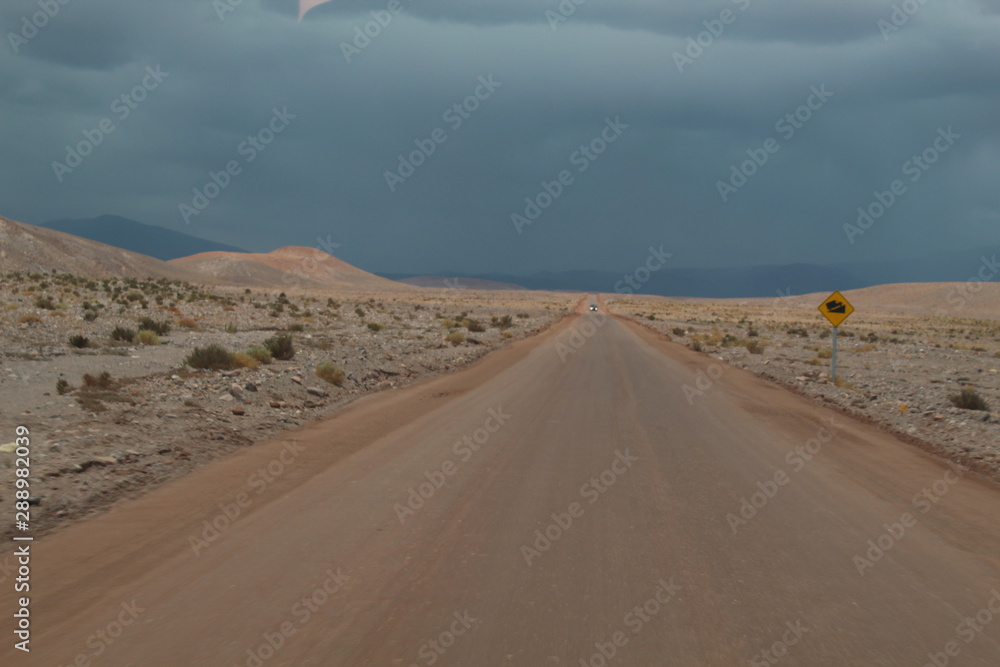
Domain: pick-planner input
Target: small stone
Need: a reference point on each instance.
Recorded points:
(225, 397)
(316, 391)
(296, 379)
(238, 411)
(276, 404)
(250, 386)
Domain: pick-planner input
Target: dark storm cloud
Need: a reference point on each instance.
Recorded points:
(323, 178)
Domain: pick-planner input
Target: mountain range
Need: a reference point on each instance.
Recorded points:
(728, 282)
(150, 240)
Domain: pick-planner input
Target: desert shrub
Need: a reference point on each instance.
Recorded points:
(679, 331)
(473, 325)
(244, 360)
(502, 323)
(187, 323)
(260, 353)
(523, 316)
(89, 315)
(123, 334)
(448, 323)
(296, 327)
(651, 317)
(969, 399)
(359, 311)
(160, 328)
(375, 326)
(231, 328)
(824, 353)
(843, 383)
(801, 333)
(213, 357)
(455, 337)
(696, 345)
(62, 386)
(29, 319)
(330, 372)
(147, 337)
(79, 341)
(45, 303)
(753, 347)
(507, 334)
(280, 347)
(103, 380)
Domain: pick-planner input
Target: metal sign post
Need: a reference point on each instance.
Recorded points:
(833, 360)
(836, 309)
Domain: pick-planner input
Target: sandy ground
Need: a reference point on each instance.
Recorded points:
(161, 419)
(897, 367)
(558, 503)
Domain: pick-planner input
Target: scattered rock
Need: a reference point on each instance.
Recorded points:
(316, 391)
(238, 411)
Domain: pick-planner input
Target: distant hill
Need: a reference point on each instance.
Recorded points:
(28, 248)
(285, 267)
(713, 283)
(453, 282)
(765, 281)
(944, 299)
(158, 242)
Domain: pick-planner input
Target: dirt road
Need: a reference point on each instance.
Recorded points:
(595, 496)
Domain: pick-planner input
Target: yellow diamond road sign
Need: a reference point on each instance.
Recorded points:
(836, 308)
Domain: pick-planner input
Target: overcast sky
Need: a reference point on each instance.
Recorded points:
(665, 98)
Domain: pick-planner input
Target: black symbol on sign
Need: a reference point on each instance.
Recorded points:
(836, 306)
